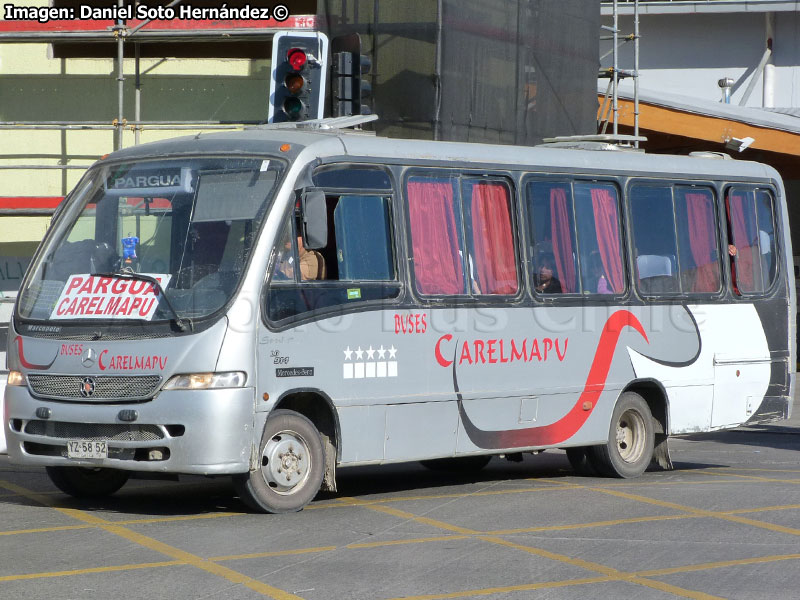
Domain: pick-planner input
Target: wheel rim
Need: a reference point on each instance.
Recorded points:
(631, 434)
(285, 462)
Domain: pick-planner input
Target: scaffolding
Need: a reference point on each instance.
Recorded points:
(614, 74)
(121, 34)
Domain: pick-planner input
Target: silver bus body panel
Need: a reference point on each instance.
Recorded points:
(401, 397)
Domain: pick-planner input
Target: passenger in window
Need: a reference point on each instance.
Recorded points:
(312, 265)
(284, 265)
(601, 281)
(546, 281)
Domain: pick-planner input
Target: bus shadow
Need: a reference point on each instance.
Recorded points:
(766, 436)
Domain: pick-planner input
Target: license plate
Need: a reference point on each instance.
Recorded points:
(87, 449)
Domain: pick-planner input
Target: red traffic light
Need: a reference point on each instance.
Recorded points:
(297, 58)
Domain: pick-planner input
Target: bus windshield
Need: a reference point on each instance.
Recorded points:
(190, 224)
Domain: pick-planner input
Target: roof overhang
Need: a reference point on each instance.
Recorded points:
(710, 122)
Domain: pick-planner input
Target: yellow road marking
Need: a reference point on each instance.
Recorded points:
(509, 588)
(527, 490)
(755, 478)
(609, 523)
(425, 540)
(702, 512)
(718, 565)
(409, 516)
(154, 565)
(598, 568)
(274, 553)
(152, 544)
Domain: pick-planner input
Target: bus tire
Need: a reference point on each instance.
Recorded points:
(631, 439)
(463, 464)
(581, 461)
(290, 468)
(87, 482)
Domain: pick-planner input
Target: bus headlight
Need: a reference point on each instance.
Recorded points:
(16, 378)
(206, 381)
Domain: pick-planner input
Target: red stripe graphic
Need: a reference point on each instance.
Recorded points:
(570, 423)
(29, 365)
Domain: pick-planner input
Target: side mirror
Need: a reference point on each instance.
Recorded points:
(315, 218)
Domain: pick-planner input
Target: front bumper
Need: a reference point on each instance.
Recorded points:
(206, 432)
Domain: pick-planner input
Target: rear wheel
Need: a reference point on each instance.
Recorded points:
(457, 463)
(631, 437)
(291, 465)
(87, 482)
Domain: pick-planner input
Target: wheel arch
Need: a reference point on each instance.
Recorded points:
(657, 400)
(317, 407)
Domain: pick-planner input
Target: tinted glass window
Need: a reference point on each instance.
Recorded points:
(597, 212)
(352, 177)
(434, 214)
(363, 238)
(698, 254)
(492, 262)
(356, 265)
(575, 234)
(654, 240)
(552, 226)
(751, 225)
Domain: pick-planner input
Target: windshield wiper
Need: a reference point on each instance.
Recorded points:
(128, 273)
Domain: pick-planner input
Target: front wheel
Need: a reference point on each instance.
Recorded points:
(291, 465)
(631, 437)
(87, 482)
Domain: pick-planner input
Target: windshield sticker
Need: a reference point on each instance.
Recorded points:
(264, 165)
(141, 182)
(94, 297)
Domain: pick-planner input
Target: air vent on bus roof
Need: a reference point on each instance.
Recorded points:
(711, 154)
(603, 141)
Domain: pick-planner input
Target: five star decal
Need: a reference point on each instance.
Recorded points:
(369, 362)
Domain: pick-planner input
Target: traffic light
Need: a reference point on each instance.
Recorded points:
(299, 69)
(348, 86)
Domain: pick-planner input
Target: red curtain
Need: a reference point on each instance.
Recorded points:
(495, 264)
(700, 214)
(737, 211)
(606, 223)
(562, 240)
(437, 263)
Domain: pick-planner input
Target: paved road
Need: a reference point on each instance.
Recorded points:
(725, 523)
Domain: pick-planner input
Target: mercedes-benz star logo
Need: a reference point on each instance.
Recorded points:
(87, 387)
(88, 357)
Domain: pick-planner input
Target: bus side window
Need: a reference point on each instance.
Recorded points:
(435, 218)
(697, 226)
(654, 240)
(599, 240)
(357, 264)
(490, 239)
(551, 223)
(751, 226)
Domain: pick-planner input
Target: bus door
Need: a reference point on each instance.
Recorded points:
(327, 327)
(742, 371)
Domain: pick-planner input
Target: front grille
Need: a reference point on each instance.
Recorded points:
(105, 387)
(95, 431)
